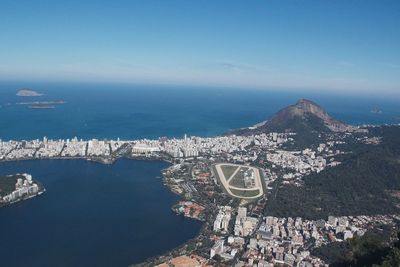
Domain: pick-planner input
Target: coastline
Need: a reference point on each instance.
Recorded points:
(23, 198)
(25, 188)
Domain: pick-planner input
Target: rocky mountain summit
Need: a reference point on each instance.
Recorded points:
(305, 110)
(303, 116)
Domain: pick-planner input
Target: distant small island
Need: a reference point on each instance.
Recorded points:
(28, 92)
(41, 107)
(42, 104)
(376, 110)
(52, 102)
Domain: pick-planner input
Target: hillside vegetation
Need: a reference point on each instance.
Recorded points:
(363, 184)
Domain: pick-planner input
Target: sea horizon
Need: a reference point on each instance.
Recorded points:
(111, 111)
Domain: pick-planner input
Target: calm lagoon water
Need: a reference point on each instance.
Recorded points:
(91, 215)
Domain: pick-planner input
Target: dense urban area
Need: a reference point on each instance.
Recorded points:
(18, 187)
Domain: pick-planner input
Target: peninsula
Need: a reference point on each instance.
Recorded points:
(14, 188)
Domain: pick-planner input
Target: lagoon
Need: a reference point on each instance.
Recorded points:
(91, 215)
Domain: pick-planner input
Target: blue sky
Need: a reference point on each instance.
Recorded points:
(319, 45)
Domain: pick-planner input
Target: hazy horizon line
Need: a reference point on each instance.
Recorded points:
(276, 88)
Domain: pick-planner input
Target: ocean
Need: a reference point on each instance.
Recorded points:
(109, 111)
(114, 215)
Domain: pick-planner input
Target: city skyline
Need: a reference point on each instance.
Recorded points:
(314, 45)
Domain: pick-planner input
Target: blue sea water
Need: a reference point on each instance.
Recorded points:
(101, 215)
(126, 111)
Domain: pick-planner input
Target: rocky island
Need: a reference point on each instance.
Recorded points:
(27, 92)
